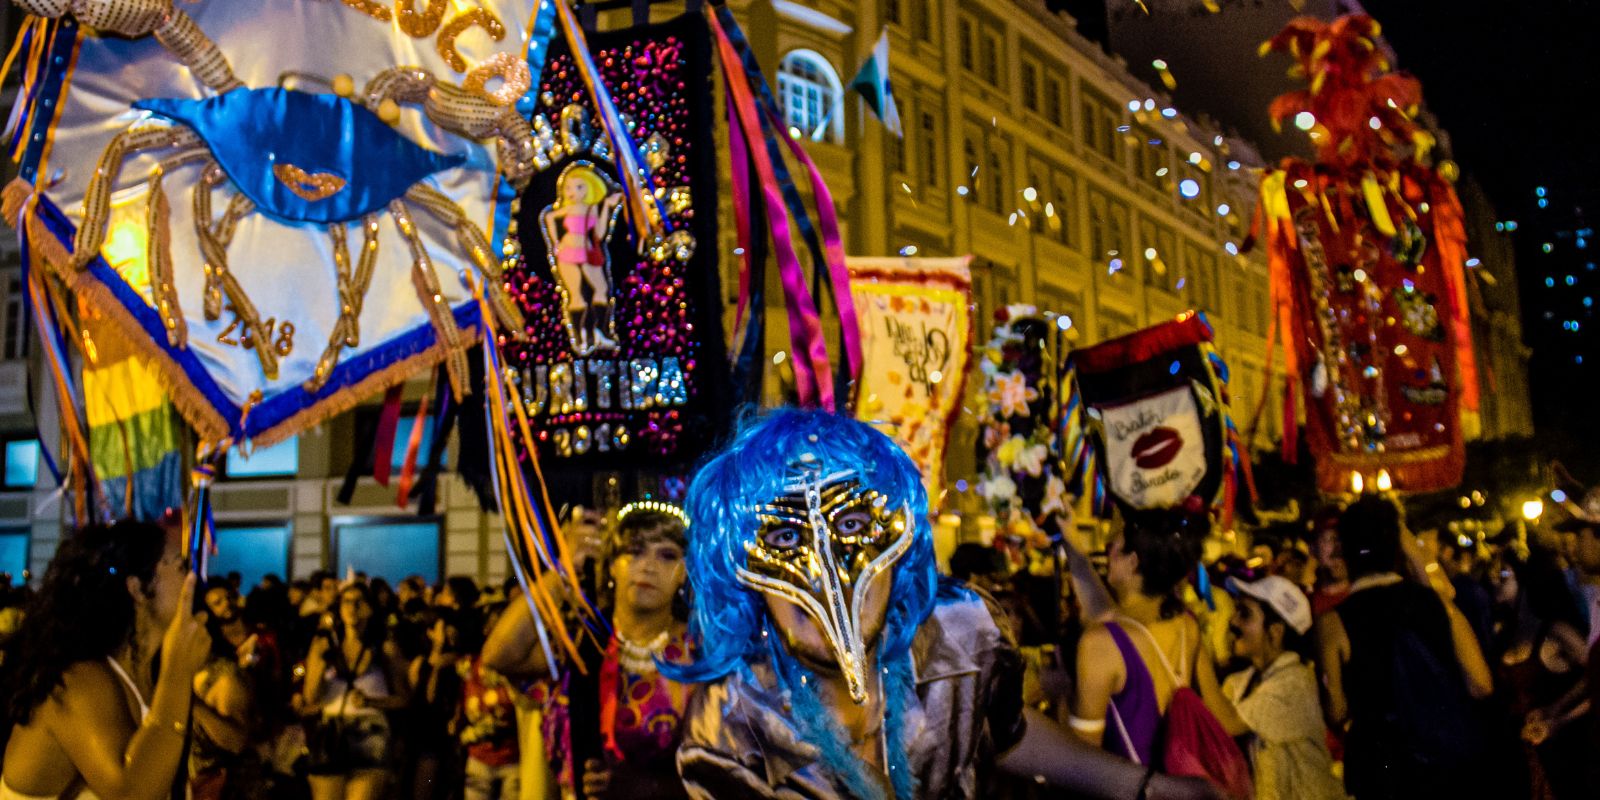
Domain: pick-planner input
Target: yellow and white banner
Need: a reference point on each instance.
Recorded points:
(916, 334)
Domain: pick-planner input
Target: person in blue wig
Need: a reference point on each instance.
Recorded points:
(834, 661)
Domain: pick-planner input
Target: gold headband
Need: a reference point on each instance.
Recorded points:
(656, 506)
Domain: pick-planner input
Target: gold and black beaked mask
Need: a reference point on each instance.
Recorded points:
(819, 545)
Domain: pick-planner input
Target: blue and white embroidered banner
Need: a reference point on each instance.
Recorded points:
(308, 188)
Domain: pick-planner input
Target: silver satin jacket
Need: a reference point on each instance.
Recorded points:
(739, 743)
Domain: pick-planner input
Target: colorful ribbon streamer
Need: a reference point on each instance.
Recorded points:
(829, 250)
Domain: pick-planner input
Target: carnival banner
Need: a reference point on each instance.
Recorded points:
(1018, 445)
(306, 184)
(1367, 251)
(915, 347)
(624, 356)
(1156, 414)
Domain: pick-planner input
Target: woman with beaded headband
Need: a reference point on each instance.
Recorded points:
(836, 662)
(577, 227)
(640, 709)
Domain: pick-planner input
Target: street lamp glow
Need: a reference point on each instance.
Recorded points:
(1357, 483)
(1532, 510)
(1385, 483)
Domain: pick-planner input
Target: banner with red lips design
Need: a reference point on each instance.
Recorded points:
(1155, 453)
(1153, 405)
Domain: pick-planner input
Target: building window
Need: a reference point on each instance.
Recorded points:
(1100, 121)
(930, 151)
(1063, 210)
(813, 101)
(1151, 160)
(281, 460)
(891, 12)
(1030, 86)
(13, 317)
(1200, 204)
(897, 154)
(1100, 246)
(989, 57)
(253, 550)
(22, 463)
(391, 548)
(970, 154)
(1052, 101)
(1119, 228)
(965, 34)
(14, 553)
(922, 19)
(997, 184)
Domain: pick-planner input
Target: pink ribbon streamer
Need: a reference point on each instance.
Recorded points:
(833, 248)
(741, 214)
(813, 377)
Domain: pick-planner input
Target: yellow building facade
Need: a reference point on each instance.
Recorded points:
(1075, 187)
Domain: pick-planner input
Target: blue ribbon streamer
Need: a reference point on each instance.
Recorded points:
(58, 58)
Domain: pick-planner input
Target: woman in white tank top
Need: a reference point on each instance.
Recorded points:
(87, 718)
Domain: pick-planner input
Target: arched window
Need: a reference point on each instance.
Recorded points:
(813, 100)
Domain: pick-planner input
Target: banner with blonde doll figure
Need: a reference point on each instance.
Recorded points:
(916, 336)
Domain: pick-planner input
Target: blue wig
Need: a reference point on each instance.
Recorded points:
(729, 618)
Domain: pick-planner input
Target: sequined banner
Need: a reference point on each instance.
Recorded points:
(625, 355)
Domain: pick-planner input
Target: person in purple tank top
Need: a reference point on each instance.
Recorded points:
(1129, 666)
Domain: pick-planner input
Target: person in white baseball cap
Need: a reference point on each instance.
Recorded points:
(1274, 700)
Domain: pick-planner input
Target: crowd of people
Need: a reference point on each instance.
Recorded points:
(1353, 657)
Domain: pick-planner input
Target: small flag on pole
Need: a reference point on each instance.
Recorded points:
(872, 81)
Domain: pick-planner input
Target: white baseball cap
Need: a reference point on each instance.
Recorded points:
(1282, 596)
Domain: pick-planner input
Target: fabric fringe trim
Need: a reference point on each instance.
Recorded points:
(353, 395)
(189, 401)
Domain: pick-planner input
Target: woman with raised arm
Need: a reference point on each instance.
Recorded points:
(640, 709)
(354, 676)
(1147, 648)
(92, 715)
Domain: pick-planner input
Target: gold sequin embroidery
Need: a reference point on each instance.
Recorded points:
(514, 75)
(420, 24)
(446, 43)
(309, 186)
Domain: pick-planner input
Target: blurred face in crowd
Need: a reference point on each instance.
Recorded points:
(353, 609)
(166, 583)
(1122, 567)
(648, 572)
(297, 595)
(1251, 638)
(219, 601)
(328, 590)
(1330, 559)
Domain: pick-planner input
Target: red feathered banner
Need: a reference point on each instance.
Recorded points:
(1367, 251)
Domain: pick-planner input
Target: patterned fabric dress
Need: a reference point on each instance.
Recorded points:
(647, 724)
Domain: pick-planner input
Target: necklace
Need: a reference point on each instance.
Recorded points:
(640, 659)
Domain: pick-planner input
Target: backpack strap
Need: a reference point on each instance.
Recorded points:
(1122, 730)
(1183, 648)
